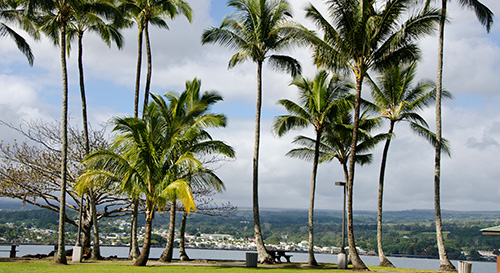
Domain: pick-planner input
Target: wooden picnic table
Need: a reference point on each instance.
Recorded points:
(277, 254)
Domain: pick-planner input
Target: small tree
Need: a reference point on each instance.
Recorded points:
(30, 172)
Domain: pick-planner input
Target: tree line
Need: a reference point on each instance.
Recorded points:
(158, 159)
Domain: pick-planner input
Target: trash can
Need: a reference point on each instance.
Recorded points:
(464, 267)
(342, 260)
(251, 259)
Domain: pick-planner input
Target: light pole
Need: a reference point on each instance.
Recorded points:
(77, 249)
(342, 257)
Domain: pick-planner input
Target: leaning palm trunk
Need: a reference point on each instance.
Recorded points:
(312, 260)
(264, 257)
(167, 254)
(383, 259)
(61, 253)
(146, 247)
(444, 261)
(353, 253)
(182, 248)
(150, 66)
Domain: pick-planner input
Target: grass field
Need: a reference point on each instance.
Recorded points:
(37, 266)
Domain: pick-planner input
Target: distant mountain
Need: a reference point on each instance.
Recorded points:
(14, 204)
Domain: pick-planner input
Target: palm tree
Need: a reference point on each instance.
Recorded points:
(151, 156)
(255, 30)
(485, 17)
(136, 165)
(321, 98)
(55, 16)
(10, 12)
(145, 12)
(362, 37)
(90, 16)
(398, 101)
(192, 108)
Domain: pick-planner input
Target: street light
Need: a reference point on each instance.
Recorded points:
(77, 249)
(342, 257)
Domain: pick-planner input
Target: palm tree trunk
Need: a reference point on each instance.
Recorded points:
(134, 245)
(150, 67)
(96, 251)
(182, 248)
(444, 261)
(312, 260)
(264, 257)
(61, 253)
(82, 94)
(138, 73)
(167, 254)
(146, 247)
(383, 259)
(84, 118)
(353, 253)
(86, 230)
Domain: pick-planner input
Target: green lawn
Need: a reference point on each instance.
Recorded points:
(24, 266)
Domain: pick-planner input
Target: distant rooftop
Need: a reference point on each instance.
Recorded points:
(491, 231)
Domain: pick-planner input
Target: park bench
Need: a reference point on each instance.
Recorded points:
(277, 254)
(12, 251)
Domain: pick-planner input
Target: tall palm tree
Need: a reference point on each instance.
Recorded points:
(144, 13)
(363, 37)
(55, 16)
(320, 99)
(9, 12)
(90, 16)
(398, 100)
(485, 17)
(255, 31)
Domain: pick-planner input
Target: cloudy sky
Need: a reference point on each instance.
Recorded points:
(470, 178)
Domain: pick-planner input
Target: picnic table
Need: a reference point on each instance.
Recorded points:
(277, 254)
(12, 251)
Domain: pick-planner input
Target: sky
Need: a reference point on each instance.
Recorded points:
(471, 121)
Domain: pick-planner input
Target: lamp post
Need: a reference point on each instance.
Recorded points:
(77, 249)
(342, 257)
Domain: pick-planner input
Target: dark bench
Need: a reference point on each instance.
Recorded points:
(277, 254)
(12, 251)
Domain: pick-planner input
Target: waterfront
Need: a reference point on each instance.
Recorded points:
(214, 254)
